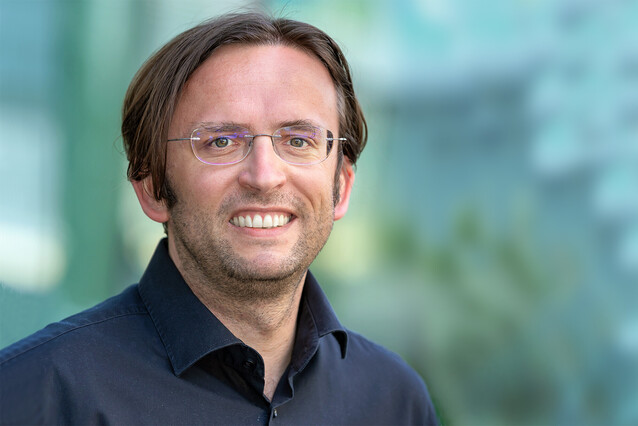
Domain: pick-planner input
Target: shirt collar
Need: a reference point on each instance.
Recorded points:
(189, 331)
(187, 328)
(325, 319)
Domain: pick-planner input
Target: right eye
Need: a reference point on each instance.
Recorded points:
(220, 142)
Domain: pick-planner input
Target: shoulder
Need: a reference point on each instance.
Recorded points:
(76, 328)
(386, 364)
(381, 378)
(48, 376)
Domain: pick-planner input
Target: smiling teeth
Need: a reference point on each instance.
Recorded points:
(257, 221)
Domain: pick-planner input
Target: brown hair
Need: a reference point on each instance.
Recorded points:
(152, 97)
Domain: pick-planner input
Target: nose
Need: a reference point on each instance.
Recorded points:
(263, 170)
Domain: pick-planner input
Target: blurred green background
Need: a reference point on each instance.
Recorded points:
(492, 239)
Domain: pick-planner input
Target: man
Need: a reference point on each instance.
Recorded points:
(241, 135)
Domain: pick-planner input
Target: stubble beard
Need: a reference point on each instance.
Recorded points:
(210, 263)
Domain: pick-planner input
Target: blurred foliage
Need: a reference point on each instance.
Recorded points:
(478, 330)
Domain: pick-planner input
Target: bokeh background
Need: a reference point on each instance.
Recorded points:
(492, 239)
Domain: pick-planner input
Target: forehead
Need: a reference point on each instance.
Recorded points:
(259, 85)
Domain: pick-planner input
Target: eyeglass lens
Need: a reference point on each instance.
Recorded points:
(295, 144)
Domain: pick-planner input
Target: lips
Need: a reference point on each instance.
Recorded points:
(261, 221)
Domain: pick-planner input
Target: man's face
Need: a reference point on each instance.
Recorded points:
(261, 88)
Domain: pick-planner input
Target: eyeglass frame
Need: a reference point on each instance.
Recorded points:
(250, 146)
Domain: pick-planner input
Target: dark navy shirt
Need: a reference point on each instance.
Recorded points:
(155, 354)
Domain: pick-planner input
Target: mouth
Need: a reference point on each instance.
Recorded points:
(261, 221)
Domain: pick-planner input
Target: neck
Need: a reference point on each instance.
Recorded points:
(266, 325)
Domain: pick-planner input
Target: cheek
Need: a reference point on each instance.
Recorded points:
(177, 167)
(209, 186)
(194, 184)
(318, 187)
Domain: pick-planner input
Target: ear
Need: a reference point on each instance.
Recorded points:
(154, 209)
(346, 180)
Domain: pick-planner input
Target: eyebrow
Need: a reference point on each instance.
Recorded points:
(217, 125)
(298, 123)
(231, 125)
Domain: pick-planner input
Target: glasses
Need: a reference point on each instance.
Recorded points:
(300, 145)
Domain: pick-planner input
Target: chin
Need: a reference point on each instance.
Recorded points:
(260, 283)
(265, 267)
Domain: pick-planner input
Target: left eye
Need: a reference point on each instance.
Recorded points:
(298, 142)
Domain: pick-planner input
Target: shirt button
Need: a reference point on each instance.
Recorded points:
(249, 364)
